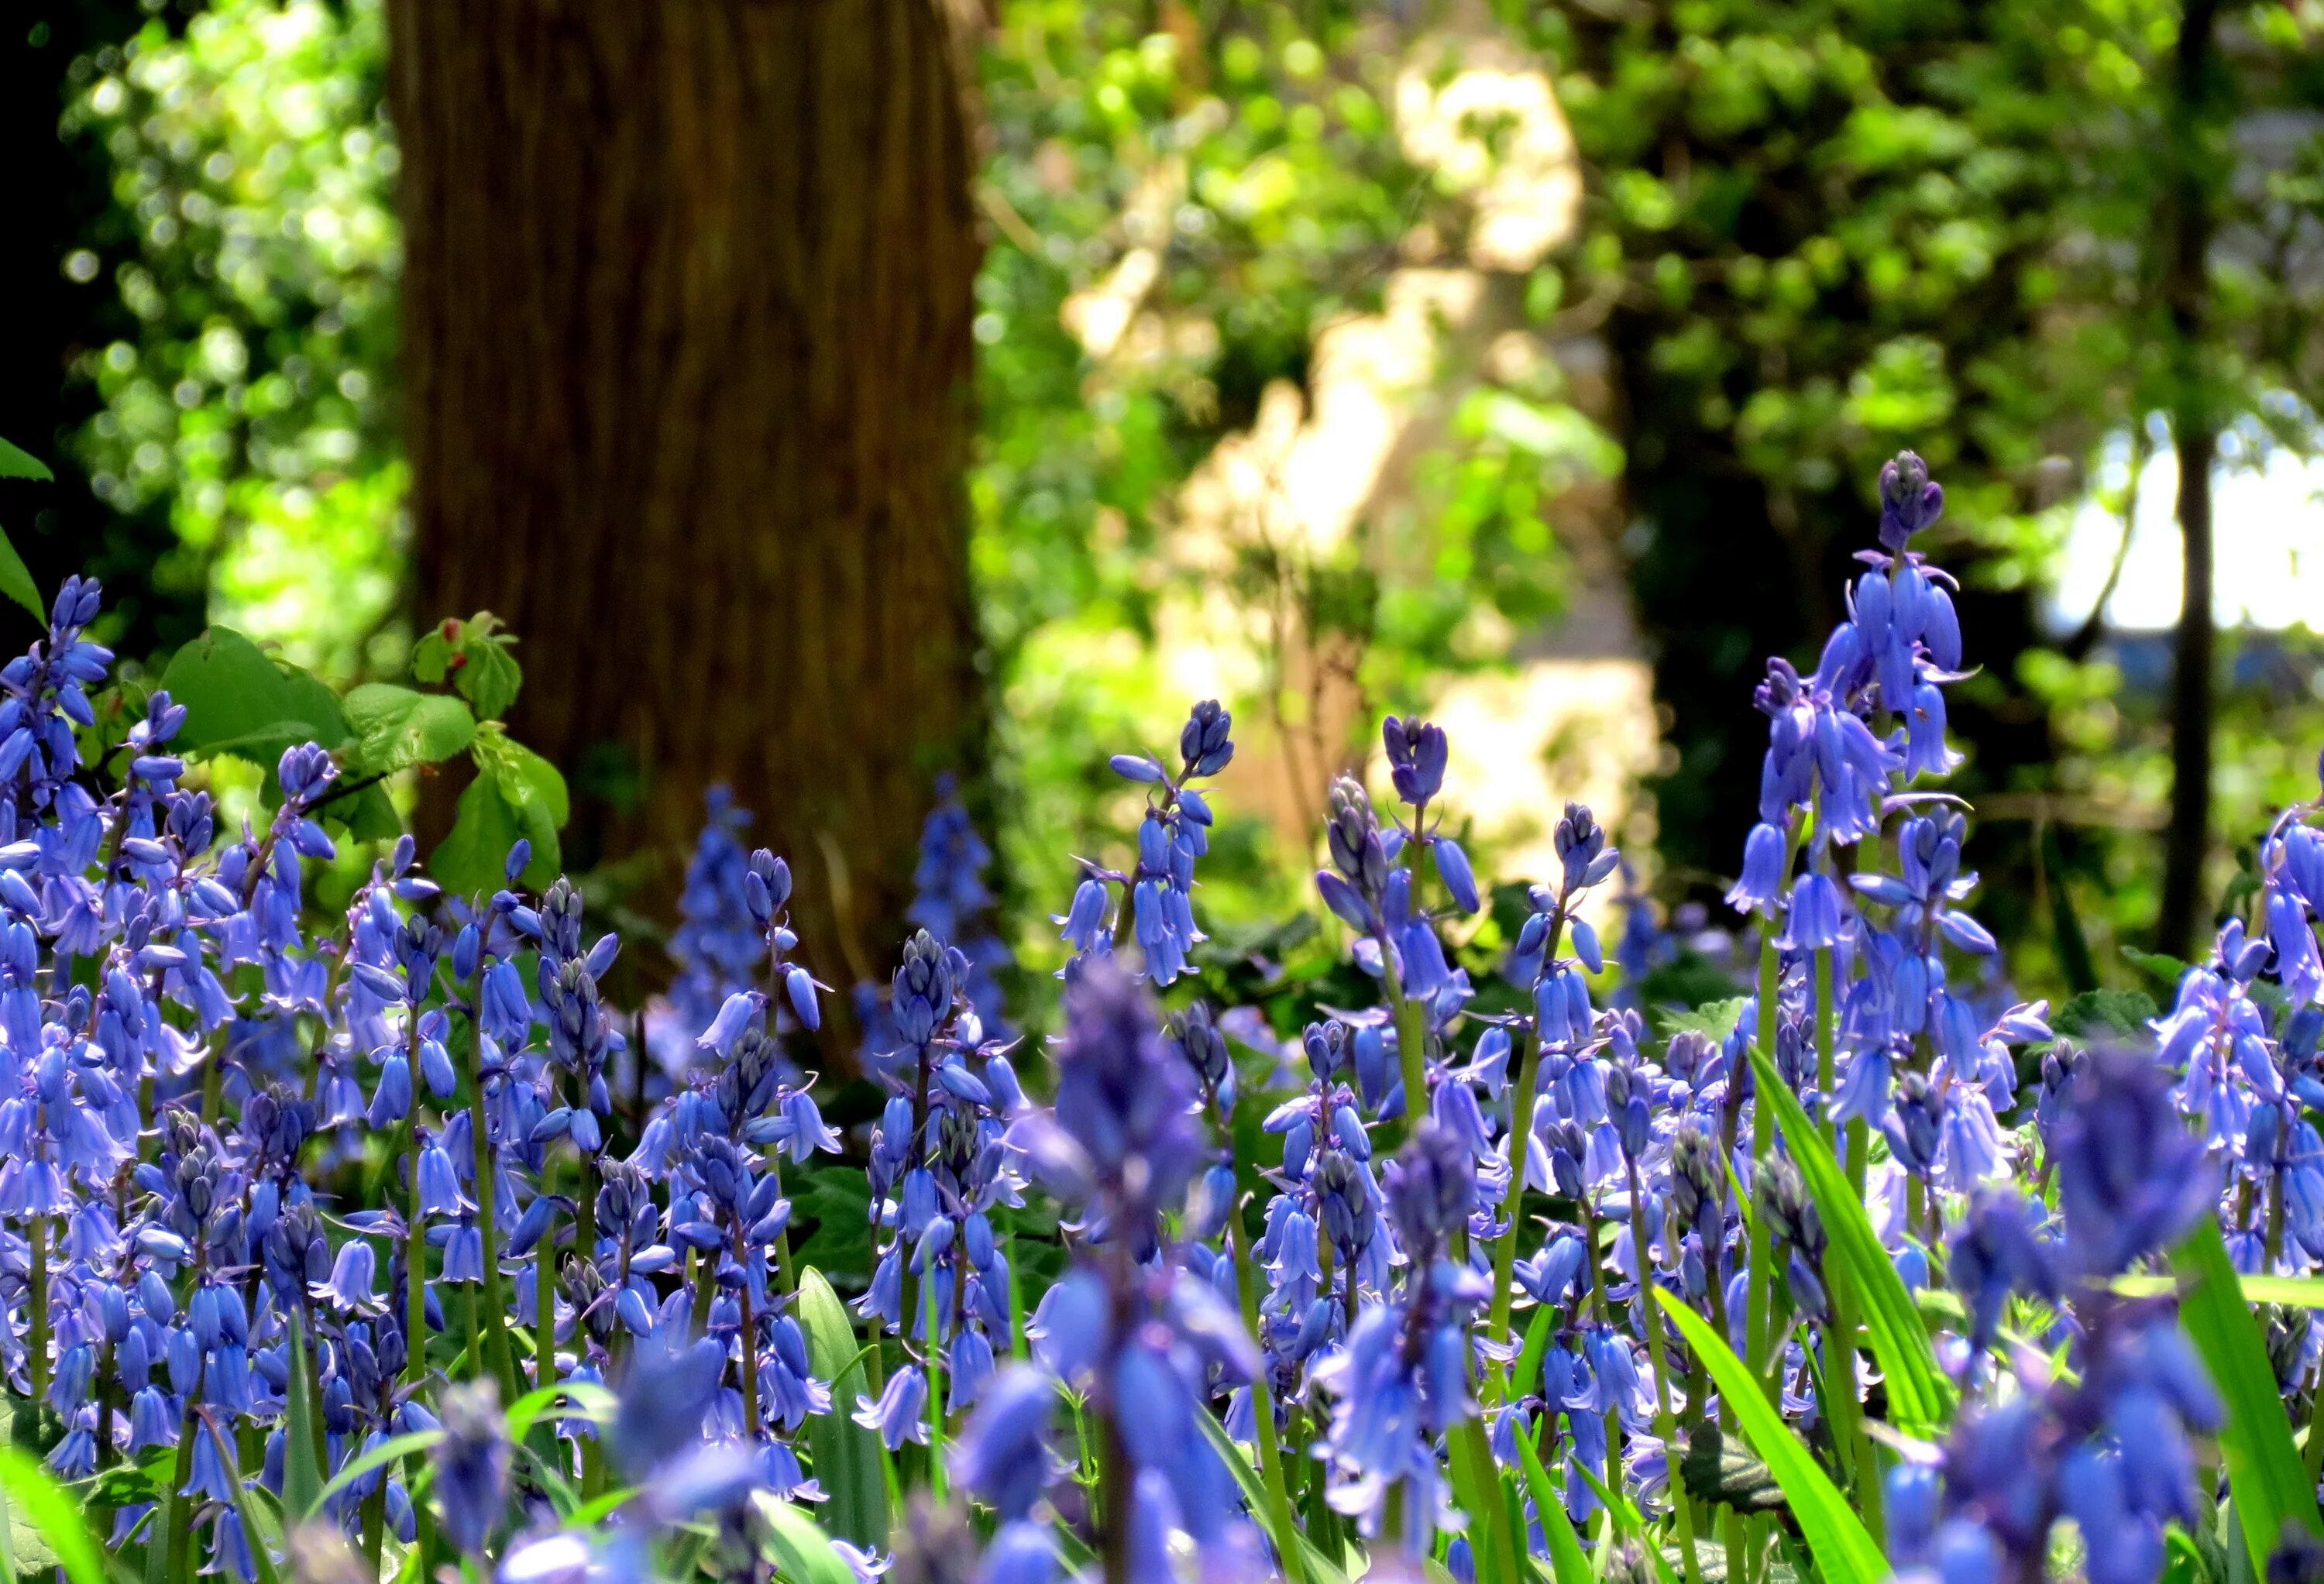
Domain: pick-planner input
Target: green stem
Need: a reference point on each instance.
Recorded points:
(544, 1303)
(497, 1354)
(933, 1356)
(1505, 1250)
(1262, 1407)
(1760, 1293)
(1666, 1423)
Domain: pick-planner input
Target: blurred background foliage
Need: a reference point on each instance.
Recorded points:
(1516, 362)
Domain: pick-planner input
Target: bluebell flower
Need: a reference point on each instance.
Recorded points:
(900, 1414)
(472, 1465)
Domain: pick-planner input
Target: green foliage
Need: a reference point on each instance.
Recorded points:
(15, 577)
(847, 1455)
(64, 1540)
(242, 701)
(1920, 1397)
(254, 254)
(475, 655)
(2272, 1489)
(1845, 1553)
(396, 728)
(2122, 1014)
(802, 1550)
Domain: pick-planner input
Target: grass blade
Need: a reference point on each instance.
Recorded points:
(1567, 1563)
(802, 1550)
(1920, 1398)
(302, 1439)
(1477, 1490)
(393, 1448)
(847, 1455)
(49, 1510)
(2286, 1292)
(1320, 1568)
(2264, 1473)
(1845, 1553)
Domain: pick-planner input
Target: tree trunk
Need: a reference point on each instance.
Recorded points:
(686, 313)
(2195, 436)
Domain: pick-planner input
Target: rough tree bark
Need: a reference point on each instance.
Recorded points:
(687, 324)
(2194, 426)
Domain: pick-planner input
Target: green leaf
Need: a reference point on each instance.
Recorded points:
(2269, 1486)
(2170, 969)
(391, 1450)
(1920, 1398)
(1477, 1491)
(396, 728)
(47, 1508)
(582, 1400)
(802, 1550)
(847, 1455)
(17, 578)
(1320, 1568)
(490, 678)
(1845, 1553)
(371, 815)
(2119, 1012)
(1527, 1369)
(253, 1526)
(15, 462)
(1567, 1563)
(302, 1470)
(240, 700)
(2285, 1291)
(1630, 1521)
(1715, 1019)
(534, 793)
(471, 860)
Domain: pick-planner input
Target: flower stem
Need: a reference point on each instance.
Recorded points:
(1262, 1408)
(1665, 1423)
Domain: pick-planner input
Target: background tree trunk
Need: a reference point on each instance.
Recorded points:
(687, 317)
(2194, 425)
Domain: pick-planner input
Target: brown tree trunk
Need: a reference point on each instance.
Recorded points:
(686, 313)
(2194, 423)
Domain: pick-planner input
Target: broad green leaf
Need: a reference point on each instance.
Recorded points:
(17, 578)
(396, 728)
(1320, 1568)
(302, 1470)
(473, 858)
(1715, 1019)
(534, 792)
(45, 1506)
(1567, 1563)
(1845, 1552)
(490, 678)
(802, 1550)
(240, 700)
(371, 815)
(2269, 1486)
(2121, 1013)
(2168, 969)
(1920, 1398)
(847, 1455)
(15, 462)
